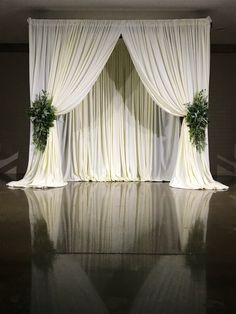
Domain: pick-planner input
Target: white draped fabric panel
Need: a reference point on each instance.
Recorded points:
(66, 58)
(171, 58)
(118, 132)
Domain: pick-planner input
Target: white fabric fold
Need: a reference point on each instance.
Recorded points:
(192, 168)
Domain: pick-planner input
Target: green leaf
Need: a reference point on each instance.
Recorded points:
(197, 120)
(42, 115)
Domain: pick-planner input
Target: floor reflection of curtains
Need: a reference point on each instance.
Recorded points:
(118, 132)
(104, 217)
(120, 217)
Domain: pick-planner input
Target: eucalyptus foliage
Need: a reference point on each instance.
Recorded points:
(42, 115)
(197, 120)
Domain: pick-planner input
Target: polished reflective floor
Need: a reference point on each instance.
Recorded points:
(100, 247)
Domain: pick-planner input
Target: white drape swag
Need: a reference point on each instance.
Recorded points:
(66, 58)
(172, 58)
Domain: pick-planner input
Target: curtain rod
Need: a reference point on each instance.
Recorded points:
(122, 37)
(211, 24)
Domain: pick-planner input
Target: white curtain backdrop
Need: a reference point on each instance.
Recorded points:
(118, 132)
(172, 58)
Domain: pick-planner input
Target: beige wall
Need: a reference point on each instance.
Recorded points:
(14, 123)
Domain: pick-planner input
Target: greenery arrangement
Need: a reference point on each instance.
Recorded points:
(197, 120)
(42, 114)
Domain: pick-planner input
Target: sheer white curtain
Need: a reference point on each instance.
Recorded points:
(118, 132)
(66, 58)
(172, 58)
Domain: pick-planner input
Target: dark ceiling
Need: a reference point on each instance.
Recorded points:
(14, 14)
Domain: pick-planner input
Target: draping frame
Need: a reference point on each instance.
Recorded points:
(172, 58)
